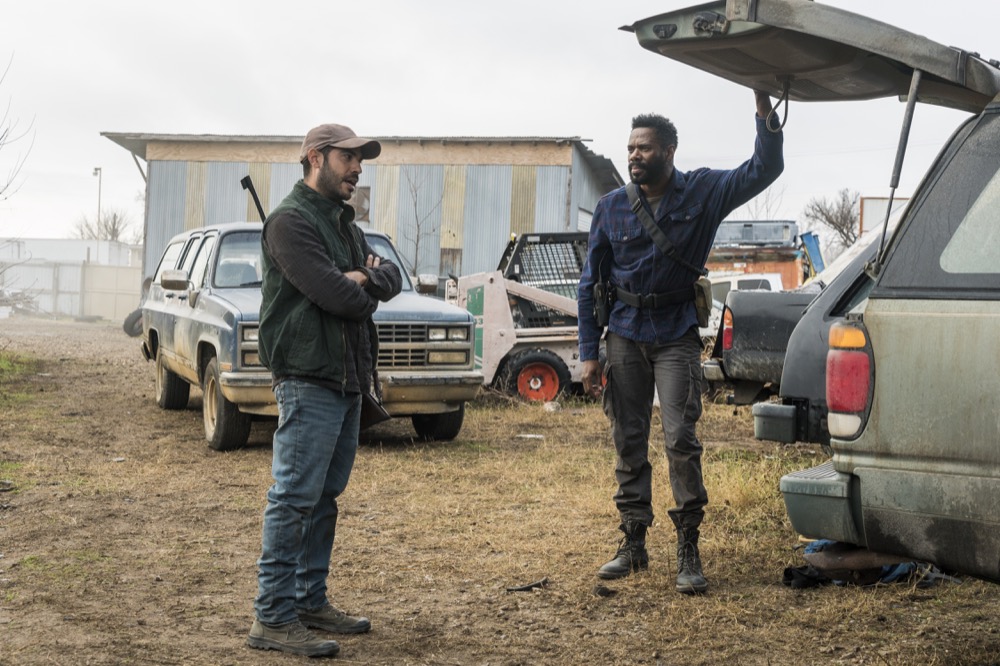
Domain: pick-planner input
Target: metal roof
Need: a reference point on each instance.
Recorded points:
(603, 168)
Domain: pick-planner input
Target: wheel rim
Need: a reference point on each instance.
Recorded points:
(538, 381)
(159, 379)
(210, 402)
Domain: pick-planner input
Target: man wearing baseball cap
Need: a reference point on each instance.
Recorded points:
(321, 284)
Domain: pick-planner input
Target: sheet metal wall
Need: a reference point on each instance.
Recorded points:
(465, 214)
(552, 200)
(283, 178)
(487, 217)
(586, 192)
(225, 200)
(418, 224)
(165, 208)
(55, 287)
(75, 289)
(104, 252)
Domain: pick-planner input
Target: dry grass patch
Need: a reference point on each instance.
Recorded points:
(127, 540)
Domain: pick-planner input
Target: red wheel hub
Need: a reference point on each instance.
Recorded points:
(538, 381)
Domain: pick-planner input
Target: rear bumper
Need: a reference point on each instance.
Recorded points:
(775, 422)
(820, 503)
(712, 370)
(406, 393)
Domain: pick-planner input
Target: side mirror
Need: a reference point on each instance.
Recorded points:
(174, 280)
(427, 283)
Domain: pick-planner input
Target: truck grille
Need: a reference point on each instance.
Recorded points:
(401, 333)
(404, 346)
(401, 358)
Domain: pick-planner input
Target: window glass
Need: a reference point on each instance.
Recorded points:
(854, 296)
(947, 246)
(361, 202)
(239, 260)
(169, 260)
(201, 262)
(975, 247)
(189, 256)
(754, 284)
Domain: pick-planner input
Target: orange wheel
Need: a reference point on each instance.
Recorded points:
(535, 375)
(538, 381)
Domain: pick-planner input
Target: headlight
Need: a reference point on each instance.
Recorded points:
(250, 334)
(447, 357)
(450, 333)
(251, 359)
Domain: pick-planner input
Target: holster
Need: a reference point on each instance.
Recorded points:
(604, 299)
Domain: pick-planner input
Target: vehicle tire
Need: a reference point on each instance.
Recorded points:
(226, 427)
(133, 323)
(171, 391)
(441, 427)
(536, 375)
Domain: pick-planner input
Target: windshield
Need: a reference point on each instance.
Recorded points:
(383, 248)
(239, 260)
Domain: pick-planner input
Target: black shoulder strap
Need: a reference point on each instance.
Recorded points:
(641, 210)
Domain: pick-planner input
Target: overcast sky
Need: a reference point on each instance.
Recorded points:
(397, 67)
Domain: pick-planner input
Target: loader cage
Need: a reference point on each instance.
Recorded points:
(552, 262)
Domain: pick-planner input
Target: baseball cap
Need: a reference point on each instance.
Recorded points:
(339, 136)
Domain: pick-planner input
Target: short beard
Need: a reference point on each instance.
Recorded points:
(653, 172)
(327, 183)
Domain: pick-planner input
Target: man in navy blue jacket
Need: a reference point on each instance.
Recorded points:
(652, 339)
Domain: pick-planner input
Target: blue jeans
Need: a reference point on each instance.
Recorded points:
(633, 369)
(313, 453)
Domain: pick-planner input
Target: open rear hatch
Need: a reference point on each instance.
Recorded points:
(817, 53)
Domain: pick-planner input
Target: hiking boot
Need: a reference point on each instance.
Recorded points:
(689, 577)
(631, 555)
(292, 638)
(334, 620)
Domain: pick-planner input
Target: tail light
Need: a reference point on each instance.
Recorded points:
(849, 374)
(727, 329)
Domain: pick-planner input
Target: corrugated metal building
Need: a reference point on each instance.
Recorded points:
(450, 203)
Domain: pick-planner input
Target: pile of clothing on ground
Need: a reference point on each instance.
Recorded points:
(847, 564)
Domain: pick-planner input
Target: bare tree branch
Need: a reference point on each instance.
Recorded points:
(841, 215)
(8, 136)
(114, 225)
(423, 224)
(764, 206)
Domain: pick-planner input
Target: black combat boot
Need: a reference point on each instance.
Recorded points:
(631, 555)
(689, 577)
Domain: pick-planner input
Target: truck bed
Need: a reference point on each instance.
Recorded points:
(762, 323)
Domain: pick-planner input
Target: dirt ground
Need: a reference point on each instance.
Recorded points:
(125, 540)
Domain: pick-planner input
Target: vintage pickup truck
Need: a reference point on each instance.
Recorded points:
(200, 320)
(912, 371)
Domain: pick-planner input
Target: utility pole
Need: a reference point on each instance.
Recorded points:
(97, 222)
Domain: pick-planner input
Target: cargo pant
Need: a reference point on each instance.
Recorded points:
(674, 368)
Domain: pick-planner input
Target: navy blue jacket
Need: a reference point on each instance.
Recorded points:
(689, 214)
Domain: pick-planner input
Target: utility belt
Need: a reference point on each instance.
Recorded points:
(653, 301)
